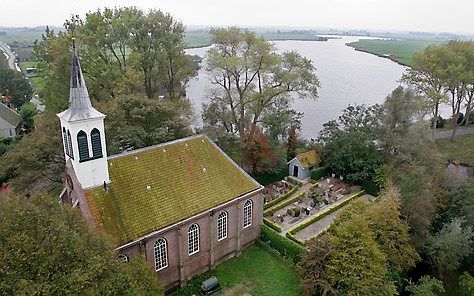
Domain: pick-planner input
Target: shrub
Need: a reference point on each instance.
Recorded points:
(284, 246)
(318, 173)
(370, 187)
(280, 198)
(294, 239)
(283, 204)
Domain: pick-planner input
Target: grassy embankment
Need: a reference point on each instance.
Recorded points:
(398, 50)
(255, 272)
(462, 149)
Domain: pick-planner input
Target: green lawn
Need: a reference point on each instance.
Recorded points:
(400, 50)
(256, 271)
(462, 149)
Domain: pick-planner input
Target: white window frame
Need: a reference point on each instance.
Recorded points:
(123, 258)
(193, 239)
(222, 226)
(248, 213)
(160, 250)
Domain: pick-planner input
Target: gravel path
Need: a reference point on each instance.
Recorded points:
(459, 132)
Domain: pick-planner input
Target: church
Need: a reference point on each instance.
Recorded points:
(184, 205)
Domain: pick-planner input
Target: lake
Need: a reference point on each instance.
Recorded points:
(347, 77)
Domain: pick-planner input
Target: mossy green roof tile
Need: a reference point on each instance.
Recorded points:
(158, 186)
(308, 158)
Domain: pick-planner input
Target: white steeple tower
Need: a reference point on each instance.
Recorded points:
(82, 127)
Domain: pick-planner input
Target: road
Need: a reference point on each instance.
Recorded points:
(459, 132)
(10, 56)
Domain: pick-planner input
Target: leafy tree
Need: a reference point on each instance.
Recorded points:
(257, 153)
(125, 48)
(392, 232)
(450, 246)
(46, 250)
(312, 268)
(427, 286)
(357, 266)
(27, 112)
(462, 204)
(351, 154)
(426, 75)
(250, 77)
(15, 87)
(400, 134)
(466, 284)
(292, 143)
(138, 122)
(54, 65)
(418, 200)
(459, 57)
(37, 160)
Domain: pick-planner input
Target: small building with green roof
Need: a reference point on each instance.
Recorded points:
(301, 166)
(184, 205)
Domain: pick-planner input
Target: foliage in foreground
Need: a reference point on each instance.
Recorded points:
(46, 250)
(354, 256)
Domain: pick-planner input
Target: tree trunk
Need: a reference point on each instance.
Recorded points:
(435, 123)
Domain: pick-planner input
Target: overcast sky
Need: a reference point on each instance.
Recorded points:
(456, 16)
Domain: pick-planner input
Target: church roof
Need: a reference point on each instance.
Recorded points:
(9, 115)
(308, 158)
(80, 106)
(158, 186)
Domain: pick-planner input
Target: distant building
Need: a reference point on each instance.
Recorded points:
(301, 166)
(10, 122)
(184, 206)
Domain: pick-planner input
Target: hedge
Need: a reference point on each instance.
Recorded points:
(324, 214)
(272, 225)
(280, 243)
(318, 173)
(283, 204)
(295, 239)
(281, 197)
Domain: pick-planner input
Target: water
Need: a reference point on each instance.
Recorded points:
(347, 77)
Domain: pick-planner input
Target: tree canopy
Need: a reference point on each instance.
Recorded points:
(49, 250)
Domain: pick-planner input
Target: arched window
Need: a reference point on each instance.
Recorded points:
(96, 144)
(122, 258)
(66, 143)
(161, 255)
(193, 239)
(83, 146)
(248, 213)
(222, 226)
(69, 143)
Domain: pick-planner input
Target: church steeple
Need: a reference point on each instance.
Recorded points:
(83, 131)
(80, 106)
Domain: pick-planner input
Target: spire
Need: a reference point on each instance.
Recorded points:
(78, 94)
(80, 106)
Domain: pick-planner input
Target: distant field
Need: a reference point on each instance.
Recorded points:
(203, 38)
(399, 50)
(461, 150)
(21, 38)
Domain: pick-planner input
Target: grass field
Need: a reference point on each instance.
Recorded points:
(256, 272)
(399, 50)
(462, 149)
(203, 38)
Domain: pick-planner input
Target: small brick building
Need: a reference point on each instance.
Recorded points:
(184, 206)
